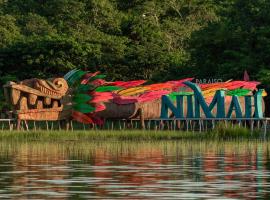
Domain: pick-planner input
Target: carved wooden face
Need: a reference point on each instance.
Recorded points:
(37, 99)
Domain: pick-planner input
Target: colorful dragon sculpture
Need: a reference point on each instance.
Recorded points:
(87, 98)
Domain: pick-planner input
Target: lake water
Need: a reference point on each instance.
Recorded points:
(135, 170)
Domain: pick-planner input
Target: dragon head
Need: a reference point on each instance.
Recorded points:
(78, 95)
(38, 99)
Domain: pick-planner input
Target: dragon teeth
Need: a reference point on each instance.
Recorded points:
(15, 96)
(55, 104)
(47, 100)
(39, 104)
(32, 99)
(47, 91)
(23, 104)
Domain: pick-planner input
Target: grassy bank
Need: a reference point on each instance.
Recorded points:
(220, 133)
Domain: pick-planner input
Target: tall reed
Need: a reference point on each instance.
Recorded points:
(219, 133)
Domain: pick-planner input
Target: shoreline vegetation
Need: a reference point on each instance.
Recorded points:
(219, 133)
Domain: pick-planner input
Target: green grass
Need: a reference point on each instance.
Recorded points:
(219, 133)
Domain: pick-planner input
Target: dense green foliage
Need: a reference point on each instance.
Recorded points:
(135, 39)
(238, 41)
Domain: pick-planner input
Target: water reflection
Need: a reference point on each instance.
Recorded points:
(143, 170)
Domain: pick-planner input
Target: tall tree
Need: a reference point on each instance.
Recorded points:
(239, 41)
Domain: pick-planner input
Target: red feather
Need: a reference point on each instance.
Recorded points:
(98, 82)
(160, 86)
(87, 76)
(150, 96)
(97, 120)
(125, 100)
(127, 84)
(99, 107)
(80, 117)
(97, 99)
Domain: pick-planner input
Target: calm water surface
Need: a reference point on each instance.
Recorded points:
(135, 170)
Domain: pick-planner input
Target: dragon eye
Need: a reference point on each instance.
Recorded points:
(58, 83)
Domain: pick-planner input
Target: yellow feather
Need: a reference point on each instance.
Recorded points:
(132, 91)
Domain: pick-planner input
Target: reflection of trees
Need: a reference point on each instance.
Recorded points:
(35, 163)
(134, 164)
(5, 166)
(267, 168)
(82, 159)
(140, 162)
(233, 162)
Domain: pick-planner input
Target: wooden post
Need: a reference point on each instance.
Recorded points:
(119, 121)
(162, 125)
(193, 125)
(202, 125)
(124, 124)
(35, 128)
(9, 125)
(26, 125)
(155, 125)
(171, 125)
(168, 124)
(265, 128)
(47, 125)
(252, 126)
(142, 118)
(179, 124)
(71, 125)
(67, 124)
(18, 124)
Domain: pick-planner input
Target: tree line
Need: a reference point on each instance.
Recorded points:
(156, 40)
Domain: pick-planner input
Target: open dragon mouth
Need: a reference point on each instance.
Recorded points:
(37, 99)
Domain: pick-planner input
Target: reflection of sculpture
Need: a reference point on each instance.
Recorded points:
(37, 99)
(88, 98)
